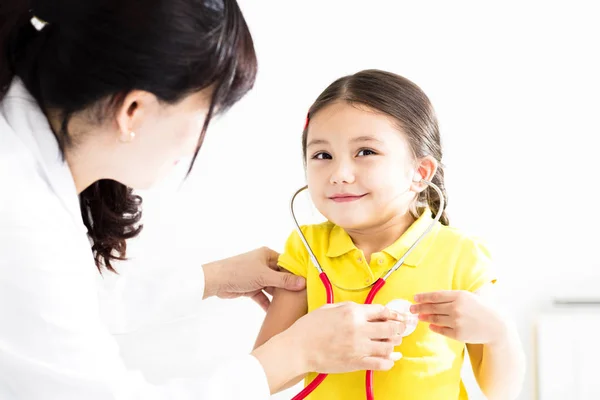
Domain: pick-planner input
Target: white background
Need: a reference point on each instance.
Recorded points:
(516, 88)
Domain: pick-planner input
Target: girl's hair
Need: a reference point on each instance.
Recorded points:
(402, 100)
(92, 53)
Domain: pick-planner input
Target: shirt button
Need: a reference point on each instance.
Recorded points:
(359, 259)
(380, 261)
(368, 280)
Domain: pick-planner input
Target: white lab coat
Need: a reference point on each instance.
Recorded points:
(56, 325)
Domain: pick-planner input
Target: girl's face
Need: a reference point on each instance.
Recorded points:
(360, 167)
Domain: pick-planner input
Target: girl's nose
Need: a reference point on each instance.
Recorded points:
(343, 173)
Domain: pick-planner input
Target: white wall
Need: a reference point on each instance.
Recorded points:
(516, 87)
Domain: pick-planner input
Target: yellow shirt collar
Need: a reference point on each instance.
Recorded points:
(340, 242)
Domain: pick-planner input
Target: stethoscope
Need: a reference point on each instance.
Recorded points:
(375, 287)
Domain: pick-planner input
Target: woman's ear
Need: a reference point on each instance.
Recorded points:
(426, 169)
(130, 115)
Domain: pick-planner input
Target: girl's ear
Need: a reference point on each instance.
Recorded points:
(426, 169)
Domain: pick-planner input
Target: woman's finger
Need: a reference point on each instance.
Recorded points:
(395, 341)
(283, 280)
(272, 257)
(380, 349)
(385, 330)
(379, 363)
(378, 312)
(375, 364)
(261, 299)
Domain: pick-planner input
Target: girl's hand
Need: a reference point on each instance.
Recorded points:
(460, 315)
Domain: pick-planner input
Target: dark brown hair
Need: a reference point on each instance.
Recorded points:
(401, 99)
(97, 50)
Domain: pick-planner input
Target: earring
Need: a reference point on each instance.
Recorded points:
(127, 137)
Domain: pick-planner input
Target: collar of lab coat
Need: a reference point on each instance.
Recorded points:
(31, 127)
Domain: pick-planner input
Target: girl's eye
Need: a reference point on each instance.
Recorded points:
(322, 156)
(365, 152)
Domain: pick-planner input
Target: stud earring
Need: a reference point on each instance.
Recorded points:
(127, 137)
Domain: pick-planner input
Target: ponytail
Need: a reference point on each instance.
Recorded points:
(111, 213)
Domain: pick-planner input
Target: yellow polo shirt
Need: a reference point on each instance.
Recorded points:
(446, 259)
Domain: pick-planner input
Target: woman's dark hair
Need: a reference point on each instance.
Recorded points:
(93, 52)
(406, 103)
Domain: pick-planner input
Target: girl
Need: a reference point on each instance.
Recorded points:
(369, 142)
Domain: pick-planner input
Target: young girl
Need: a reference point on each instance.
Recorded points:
(369, 142)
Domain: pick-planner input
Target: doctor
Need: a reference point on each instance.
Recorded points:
(98, 97)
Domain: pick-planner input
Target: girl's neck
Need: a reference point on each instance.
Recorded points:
(377, 238)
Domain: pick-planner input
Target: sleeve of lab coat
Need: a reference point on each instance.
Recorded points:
(54, 344)
(151, 291)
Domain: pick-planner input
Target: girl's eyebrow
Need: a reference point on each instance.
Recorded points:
(317, 141)
(364, 138)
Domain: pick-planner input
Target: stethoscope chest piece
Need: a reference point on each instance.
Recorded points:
(402, 307)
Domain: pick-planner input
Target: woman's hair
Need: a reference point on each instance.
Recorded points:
(406, 103)
(92, 53)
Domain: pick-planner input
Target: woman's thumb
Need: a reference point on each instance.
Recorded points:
(285, 280)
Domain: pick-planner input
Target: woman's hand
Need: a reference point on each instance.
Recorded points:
(347, 337)
(335, 338)
(247, 275)
(460, 315)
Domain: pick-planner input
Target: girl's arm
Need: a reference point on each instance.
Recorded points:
(499, 366)
(285, 309)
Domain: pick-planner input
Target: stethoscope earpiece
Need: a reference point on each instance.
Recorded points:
(417, 177)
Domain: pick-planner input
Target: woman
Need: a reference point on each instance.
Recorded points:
(99, 97)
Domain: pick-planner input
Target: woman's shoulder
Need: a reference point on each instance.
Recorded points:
(33, 220)
(26, 199)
